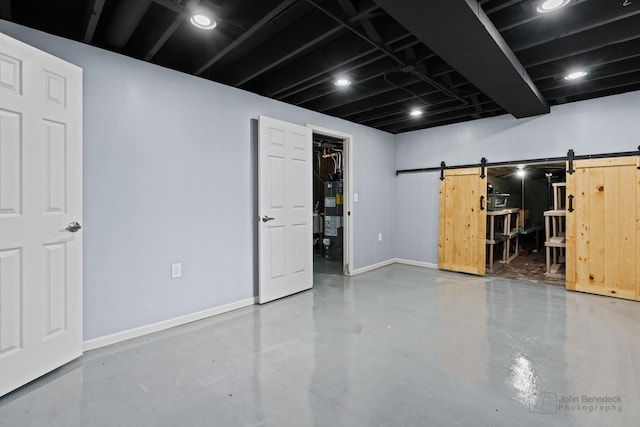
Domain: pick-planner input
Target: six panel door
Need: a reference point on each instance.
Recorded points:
(285, 196)
(40, 195)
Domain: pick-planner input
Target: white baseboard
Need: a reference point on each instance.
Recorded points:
(416, 263)
(393, 261)
(95, 343)
(372, 267)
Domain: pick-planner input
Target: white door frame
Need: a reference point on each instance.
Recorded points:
(348, 201)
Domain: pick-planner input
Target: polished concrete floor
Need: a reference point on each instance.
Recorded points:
(398, 346)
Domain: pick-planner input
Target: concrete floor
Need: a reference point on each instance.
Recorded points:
(398, 346)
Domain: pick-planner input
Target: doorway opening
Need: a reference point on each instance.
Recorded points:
(526, 222)
(328, 204)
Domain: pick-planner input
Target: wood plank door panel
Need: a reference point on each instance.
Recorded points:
(462, 222)
(603, 230)
(40, 195)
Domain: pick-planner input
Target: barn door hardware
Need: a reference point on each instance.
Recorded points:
(570, 203)
(483, 164)
(442, 166)
(639, 162)
(570, 156)
(481, 203)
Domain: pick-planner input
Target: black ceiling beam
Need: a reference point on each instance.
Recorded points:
(445, 114)
(345, 58)
(360, 92)
(587, 61)
(289, 46)
(388, 52)
(247, 34)
(630, 66)
(596, 38)
(527, 14)
(427, 122)
(504, 5)
(5, 10)
(390, 109)
(179, 19)
(462, 35)
(604, 84)
(94, 17)
(349, 9)
(125, 19)
(323, 86)
(393, 97)
(583, 17)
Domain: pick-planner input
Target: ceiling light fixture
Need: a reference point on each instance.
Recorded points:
(342, 82)
(551, 5)
(203, 22)
(575, 75)
(416, 112)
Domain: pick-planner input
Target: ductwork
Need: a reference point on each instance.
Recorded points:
(460, 33)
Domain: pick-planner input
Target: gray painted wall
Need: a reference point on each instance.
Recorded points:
(170, 176)
(600, 125)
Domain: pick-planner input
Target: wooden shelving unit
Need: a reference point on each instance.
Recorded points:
(500, 230)
(554, 227)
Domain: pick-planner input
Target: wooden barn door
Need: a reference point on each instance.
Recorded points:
(603, 227)
(462, 224)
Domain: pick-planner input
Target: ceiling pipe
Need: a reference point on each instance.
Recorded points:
(126, 18)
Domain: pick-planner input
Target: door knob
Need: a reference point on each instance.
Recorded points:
(74, 226)
(266, 218)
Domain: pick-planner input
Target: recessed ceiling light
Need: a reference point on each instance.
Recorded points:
(551, 5)
(203, 21)
(416, 112)
(342, 82)
(575, 75)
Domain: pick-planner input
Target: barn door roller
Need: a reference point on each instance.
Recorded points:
(570, 157)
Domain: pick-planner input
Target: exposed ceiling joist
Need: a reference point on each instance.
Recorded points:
(125, 20)
(247, 34)
(462, 35)
(5, 9)
(94, 18)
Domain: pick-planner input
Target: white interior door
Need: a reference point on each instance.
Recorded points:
(40, 195)
(285, 196)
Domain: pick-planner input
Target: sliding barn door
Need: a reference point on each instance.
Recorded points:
(603, 227)
(40, 212)
(462, 231)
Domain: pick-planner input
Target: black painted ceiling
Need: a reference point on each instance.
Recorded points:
(457, 60)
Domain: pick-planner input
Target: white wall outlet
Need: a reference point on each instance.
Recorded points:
(176, 270)
(355, 197)
(379, 237)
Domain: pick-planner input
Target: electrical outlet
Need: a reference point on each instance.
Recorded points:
(379, 237)
(355, 197)
(176, 270)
